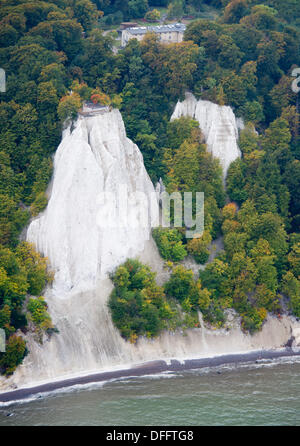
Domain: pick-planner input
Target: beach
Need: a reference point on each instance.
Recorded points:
(150, 368)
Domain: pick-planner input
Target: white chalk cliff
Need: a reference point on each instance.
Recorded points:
(82, 231)
(94, 157)
(218, 125)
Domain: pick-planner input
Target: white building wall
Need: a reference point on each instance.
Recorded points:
(164, 37)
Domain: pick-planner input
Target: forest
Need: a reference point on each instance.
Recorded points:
(244, 59)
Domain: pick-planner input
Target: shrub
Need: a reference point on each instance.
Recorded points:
(152, 16)
(169, 243)
(14, 354)
(35, 266)
(39, 204)
(198, 247)
(180, 283)
(291, 288)
(193, 297)
(215, 315)
(38, 313)
(252, 319)
(137, 304)
(69, 106)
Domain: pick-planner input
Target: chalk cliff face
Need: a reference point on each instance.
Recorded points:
(85, 236)
(81, 231)
(83, 245)
(218, 124)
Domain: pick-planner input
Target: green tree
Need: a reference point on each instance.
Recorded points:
(180, 284)
(35, 266)
(14, 354)
(137, 8)
(235, 10)
(198, 247)
(175, 9)
(69, 106)
(38, 313)
(291, 288)
(169, 242)
(86, 13)
(152, 16)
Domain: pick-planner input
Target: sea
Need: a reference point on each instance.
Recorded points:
(265, 393)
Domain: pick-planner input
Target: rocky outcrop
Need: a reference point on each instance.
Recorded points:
(218, 125)
(86, 231)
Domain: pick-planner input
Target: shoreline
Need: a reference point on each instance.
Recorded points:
(151, 367)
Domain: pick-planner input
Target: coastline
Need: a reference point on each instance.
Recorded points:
(151, 367)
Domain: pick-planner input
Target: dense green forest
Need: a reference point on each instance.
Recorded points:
(243, 59)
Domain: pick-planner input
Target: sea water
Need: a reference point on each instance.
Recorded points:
(263, 393)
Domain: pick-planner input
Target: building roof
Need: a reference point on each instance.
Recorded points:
(177, 27)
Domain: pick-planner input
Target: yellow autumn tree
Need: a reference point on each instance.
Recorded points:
(69, 106)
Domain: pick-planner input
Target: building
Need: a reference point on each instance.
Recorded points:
(167, 33)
